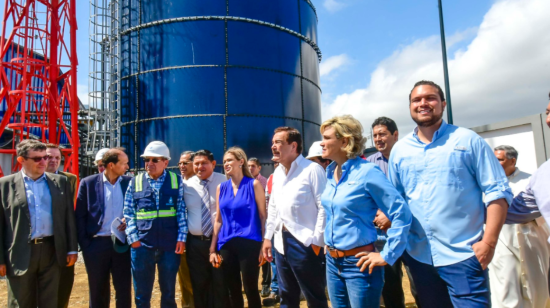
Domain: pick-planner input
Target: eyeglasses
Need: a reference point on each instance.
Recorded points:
(37, 159)
(154, 160)
(184, 163)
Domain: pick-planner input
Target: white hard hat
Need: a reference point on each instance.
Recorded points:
(99, 155)
(315, 150)
(156, 149)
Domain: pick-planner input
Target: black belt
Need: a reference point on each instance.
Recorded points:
(200, 237)
(47, 239)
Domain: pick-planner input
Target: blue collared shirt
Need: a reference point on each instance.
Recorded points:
(379, 160)
(113, 204)
(39, 200)
(130, 209)
(443, 183)
(351, 205)
(534, 201)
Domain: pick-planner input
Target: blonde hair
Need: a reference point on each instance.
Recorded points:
(239, 154)
(347, 126)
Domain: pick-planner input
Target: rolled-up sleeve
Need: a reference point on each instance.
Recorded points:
(523, 208)
(390, 201)
(490, 175)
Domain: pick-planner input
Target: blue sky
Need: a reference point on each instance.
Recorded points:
(374, 52)
(369, 31)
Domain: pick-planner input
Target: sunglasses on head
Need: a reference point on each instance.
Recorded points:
(154, 160)
(37, 159)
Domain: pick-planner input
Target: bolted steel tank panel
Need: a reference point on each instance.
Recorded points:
(212, 74)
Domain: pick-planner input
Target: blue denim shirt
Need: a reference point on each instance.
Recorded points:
(39, 200)
(379, 160)
(443, 183)
(351, 205)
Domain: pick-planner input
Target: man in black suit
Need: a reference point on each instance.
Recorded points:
(67, 273)
(37, 229)
(99, 202)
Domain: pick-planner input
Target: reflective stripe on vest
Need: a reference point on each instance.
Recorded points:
(139, 182)
(167, 213)
(142, 214)
(173, 181)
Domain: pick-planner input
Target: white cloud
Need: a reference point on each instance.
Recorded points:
(503, 73)
(332, 63)
(82, 93)
(333, 5)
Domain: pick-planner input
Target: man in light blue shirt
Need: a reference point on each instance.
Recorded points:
(443, 171)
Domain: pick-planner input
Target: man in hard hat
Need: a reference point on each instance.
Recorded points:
(156, 226)
(98, 159)
(53, 154)
(314, 154)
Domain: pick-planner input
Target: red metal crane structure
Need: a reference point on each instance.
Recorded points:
(38, 86)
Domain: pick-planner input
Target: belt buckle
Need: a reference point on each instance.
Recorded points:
(38, 241)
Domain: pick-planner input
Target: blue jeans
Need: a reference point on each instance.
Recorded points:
(349, 287)
(463, 284)
(274, 282)
(143, 273)
(299, 269)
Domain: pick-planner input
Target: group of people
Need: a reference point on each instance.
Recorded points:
(436, 202)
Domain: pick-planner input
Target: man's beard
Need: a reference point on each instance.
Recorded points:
(429, 122)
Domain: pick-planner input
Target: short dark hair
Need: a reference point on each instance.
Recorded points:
(206, 153)
(23, 148)
(428, 83)
(190, 153)
(389, 123)
(111, 156)
(254, 160)
(292, 135)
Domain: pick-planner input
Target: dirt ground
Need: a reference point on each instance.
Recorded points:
(79, 296)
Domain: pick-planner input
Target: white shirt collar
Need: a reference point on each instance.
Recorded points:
(514, 174)
(105, 179)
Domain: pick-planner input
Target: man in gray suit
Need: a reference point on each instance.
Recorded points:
(66, 274)
(37, 229)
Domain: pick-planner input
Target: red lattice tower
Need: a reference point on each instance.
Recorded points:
(38, 85)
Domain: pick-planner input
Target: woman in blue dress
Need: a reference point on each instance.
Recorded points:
(239, 229)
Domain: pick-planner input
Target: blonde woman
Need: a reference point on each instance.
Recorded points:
(239, 229)
(355, 190)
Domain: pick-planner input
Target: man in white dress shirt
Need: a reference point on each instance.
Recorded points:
(296, 222)
(518, 270)
(208, 287)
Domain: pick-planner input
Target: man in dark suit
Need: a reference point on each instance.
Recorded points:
(37, 229)
(67, 273)
(99, 202)
(54, 161)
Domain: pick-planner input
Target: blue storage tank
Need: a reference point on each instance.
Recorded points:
(212, 74)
